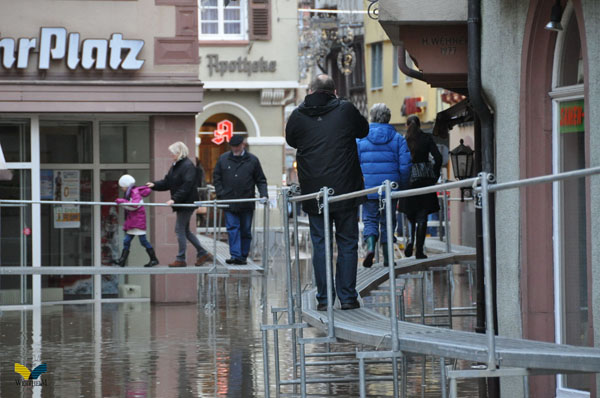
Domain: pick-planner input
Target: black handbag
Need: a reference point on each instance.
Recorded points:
(422, 171)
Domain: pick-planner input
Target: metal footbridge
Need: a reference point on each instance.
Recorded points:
(391, 337)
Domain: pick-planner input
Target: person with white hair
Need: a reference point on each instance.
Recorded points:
(135, 219)
(383, 155)
(181, 181)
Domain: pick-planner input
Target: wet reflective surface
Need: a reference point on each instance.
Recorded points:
(212, 349)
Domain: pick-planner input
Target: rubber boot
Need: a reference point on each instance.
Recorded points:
(121, 261)
(409, 247)
(421, 232)
(368, 261)
(153, 260)
(385, 254)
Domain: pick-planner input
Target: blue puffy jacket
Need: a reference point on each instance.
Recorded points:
(384, 155)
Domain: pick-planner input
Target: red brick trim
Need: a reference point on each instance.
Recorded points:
(175, 50)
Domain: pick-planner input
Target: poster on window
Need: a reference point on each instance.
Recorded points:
(66, 188)
(46, 184)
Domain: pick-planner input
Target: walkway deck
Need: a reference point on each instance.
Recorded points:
(365, 326)
(223, 254)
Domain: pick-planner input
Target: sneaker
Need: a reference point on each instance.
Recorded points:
(205, 258)
(178, 263)
(239, 261)
(230, 260)
(321, 306)
(351, 306)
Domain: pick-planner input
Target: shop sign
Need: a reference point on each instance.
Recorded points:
(66, 188)
(224, 132)
(56, 44)
(240, 65)
(572, 117)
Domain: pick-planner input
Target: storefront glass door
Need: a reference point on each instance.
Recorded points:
(67, 229)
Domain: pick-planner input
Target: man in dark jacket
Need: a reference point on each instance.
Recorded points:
(236, 174)
(324, 129)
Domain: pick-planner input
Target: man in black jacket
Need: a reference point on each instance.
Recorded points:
(324, 130)
(236, 174)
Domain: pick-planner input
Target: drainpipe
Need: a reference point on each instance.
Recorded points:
(404, 68)
(485, 132)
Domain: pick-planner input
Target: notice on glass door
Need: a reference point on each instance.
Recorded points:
(66, 188)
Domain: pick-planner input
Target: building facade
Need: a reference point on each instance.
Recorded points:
(89, 92)
(248, 53)
(543, 88)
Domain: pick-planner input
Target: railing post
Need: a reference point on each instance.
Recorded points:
(215, 234)
(391, 264)
(265, 253)
(487, 269)
(328, 267)
(446, 224)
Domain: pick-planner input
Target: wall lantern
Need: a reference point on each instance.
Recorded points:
(555, 17)
(462, 164)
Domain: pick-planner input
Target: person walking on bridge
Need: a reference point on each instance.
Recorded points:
(383, 155)
(417, 208)
(235, 176)
(324, 130)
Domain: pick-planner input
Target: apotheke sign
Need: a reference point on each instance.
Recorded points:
(55, 44)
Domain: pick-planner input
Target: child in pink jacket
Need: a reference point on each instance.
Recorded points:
(135, 219)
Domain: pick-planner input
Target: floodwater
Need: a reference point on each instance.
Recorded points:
(209, 349)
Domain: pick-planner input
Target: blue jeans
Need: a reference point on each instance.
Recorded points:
(128, 238)
(346, 236)
(375, 220)
(239, 229)
(182, 230)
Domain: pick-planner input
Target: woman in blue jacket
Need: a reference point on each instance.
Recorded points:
(383, 155)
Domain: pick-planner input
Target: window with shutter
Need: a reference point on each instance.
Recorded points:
(260, 19)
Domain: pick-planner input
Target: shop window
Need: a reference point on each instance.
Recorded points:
(376, 66)
(15, 140)
(67, 230)
(65, 142)
(112, 234)
(222, 20)
(15, 245)
(124, 142)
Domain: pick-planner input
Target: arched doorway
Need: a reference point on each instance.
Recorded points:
(208, 151)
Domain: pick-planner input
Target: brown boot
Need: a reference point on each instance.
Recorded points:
(178, 263)
(205, 258)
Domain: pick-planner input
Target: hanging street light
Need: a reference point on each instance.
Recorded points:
(462, 164)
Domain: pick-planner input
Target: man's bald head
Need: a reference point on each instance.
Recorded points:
(323, 83)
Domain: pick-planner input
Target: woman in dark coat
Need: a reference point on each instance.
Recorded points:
(181, 182)
(417, 208)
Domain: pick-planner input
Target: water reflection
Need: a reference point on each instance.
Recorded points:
(212, 349)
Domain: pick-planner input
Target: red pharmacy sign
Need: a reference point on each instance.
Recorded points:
(223, 133)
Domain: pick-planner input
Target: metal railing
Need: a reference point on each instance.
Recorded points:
(484, 185)
(215, 204)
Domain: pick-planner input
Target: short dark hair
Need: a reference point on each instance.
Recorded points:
(322, 83)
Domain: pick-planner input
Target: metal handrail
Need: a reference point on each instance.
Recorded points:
(545, 178)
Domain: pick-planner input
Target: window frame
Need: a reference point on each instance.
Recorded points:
(221, 35)
(376, 66)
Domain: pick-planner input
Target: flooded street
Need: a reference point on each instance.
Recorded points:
(212, 349)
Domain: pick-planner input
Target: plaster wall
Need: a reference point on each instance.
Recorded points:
(95, 20)
(502, 41)
(282, 48)
(591, 14)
